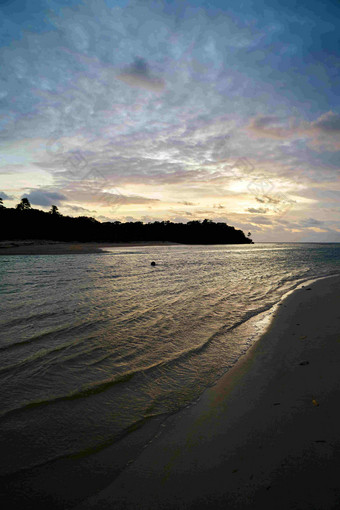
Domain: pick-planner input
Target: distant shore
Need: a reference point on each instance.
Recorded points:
(265, 436)
(37, 247)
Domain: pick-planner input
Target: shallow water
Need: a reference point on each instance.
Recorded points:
(93, 345)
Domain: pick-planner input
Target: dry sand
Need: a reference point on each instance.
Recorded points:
(42, 247)
(267, 436)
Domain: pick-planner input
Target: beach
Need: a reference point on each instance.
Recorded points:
(46, 247)
(265, 436)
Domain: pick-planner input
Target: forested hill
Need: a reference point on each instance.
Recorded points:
(24, 222)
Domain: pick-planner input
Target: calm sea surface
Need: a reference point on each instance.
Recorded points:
(93, 345)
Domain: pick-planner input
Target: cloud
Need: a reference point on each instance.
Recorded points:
(325, 132)
(262, 221)
(311, 222)
(325, 129)
(271, 126)
(80, 210)
(260, 210)
(100, 193)
(138, 74)
(263, 121)
(4, 196)
(266, 199)
(328, 123)
(44, 197)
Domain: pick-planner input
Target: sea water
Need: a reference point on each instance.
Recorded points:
(93, 345)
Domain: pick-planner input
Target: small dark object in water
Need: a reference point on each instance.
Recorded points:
(153, 263)
(304, 363)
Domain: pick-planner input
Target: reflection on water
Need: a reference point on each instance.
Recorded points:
(92, 345)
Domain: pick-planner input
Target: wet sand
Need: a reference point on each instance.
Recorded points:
(266, 436)
(57, 248)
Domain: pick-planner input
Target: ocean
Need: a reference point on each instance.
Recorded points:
(95, 345)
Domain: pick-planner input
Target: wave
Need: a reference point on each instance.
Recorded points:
(103, 385)
(67, 329)
(45, 353)
(18, 321)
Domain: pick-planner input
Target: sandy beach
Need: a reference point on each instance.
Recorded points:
(42, 247)
(266, 436)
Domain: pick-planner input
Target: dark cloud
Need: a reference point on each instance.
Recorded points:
(44, 197)
(328, 123)
(260, 210)
(138, 74)
(264, 121)
(4, 196)
(262, 221)
(311, 222)
(266, 199)
(80, 210)
(270, 126)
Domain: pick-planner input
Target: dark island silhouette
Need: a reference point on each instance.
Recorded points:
(24, 222)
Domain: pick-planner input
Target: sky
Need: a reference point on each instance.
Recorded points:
(145, 110)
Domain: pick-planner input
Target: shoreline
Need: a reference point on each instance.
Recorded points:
(265, 435)
(44, 247)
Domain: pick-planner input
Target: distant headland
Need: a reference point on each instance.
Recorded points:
(24, 222)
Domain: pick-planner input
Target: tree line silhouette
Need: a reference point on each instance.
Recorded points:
(25, 222)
